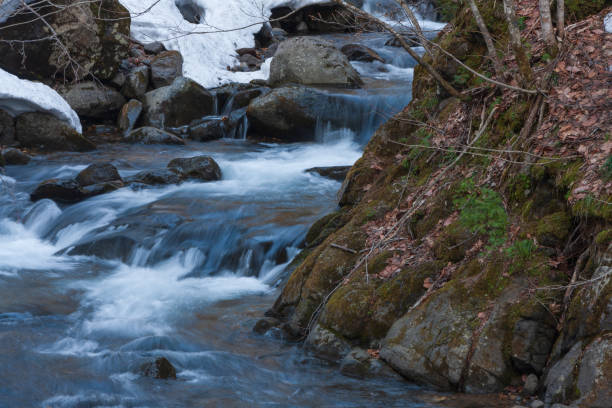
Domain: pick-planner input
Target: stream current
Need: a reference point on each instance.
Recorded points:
(91, 291)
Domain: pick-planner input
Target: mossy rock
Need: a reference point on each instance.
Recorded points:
(325, 226)
(453, 243)
(552, 230)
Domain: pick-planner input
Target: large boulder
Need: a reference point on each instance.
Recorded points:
(166, 67)
(46, 132)
(93, 100)
(311, 61)
(292, 113)
(151, 135)
(7, 129)
(95, 34)
(178, 104)
(203, 168)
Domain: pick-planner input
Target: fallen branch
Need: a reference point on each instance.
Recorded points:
(343, 248)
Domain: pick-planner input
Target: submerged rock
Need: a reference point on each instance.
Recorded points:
(166, 67)
(203, 168)
(337, 173)
(98, 173)
(151, 135)
(178, 104)
(15, 157)
(358, 52)
(160, 369)
(311, 61)
(46, 132)
(93, 100)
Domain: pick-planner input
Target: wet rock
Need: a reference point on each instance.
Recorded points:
(244, 51)
(560, 377)
(154, 177)
(594, 381)
(161, 369)
(242, 99)
(44, 131)
(250, 60)
(112, 246)
(358, 52)
(95, 35)
(93, 100)
(311, 61)
(531, 385)
(334, 172)
(129, 115)
(7, 129)
(15, 157)
(154, 47)
(395, 42)
(208, 129)
(60, 190)
(98, 173)
(290, 113)
(166, 67)
(203, 168)
(326, 345)
(360, 364)
(136, 82)
(151, 135)
(531, 345)
(178, 104)
(263, 325)
(536, 404)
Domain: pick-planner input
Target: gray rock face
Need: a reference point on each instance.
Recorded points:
(178, 104)
(358, 52)
(7, 129)
(560, 377)
(15, 157)
(44, 131)
(594, 380)
(325, 344)
(136, 82)
(97, 173)
(92, 100)
(129, 115)
(166, 67)
(151, 135)
(96, 36)
(310, 61)
(531, 344)
(203, 168)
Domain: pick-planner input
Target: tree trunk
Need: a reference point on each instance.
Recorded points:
(416, 25)
(515, 38)
(560, 18)
(546, 22)
(487, 37)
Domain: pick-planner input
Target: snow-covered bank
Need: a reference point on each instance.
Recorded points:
(206, 48)
(18, 96)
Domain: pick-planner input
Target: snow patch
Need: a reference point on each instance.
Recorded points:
(19, 96)
(206, 51)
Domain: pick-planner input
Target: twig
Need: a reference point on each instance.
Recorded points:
(352, 251)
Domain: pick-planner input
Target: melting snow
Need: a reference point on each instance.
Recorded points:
(18, 96)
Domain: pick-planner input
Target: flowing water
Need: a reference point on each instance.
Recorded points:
(91, 291)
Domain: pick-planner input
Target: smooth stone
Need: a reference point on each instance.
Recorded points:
(92, 100)
(358, 52)
(129, 115)
(334, 172)
(203, 168)
(98, 173)
(15, 157)
(166, 67)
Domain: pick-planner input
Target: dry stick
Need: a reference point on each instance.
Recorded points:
(546, 22)
(448, 87)
(561, 19)
(415, 24)
(487, 38)
(515, 38)
(568, 292)
(352, 251)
